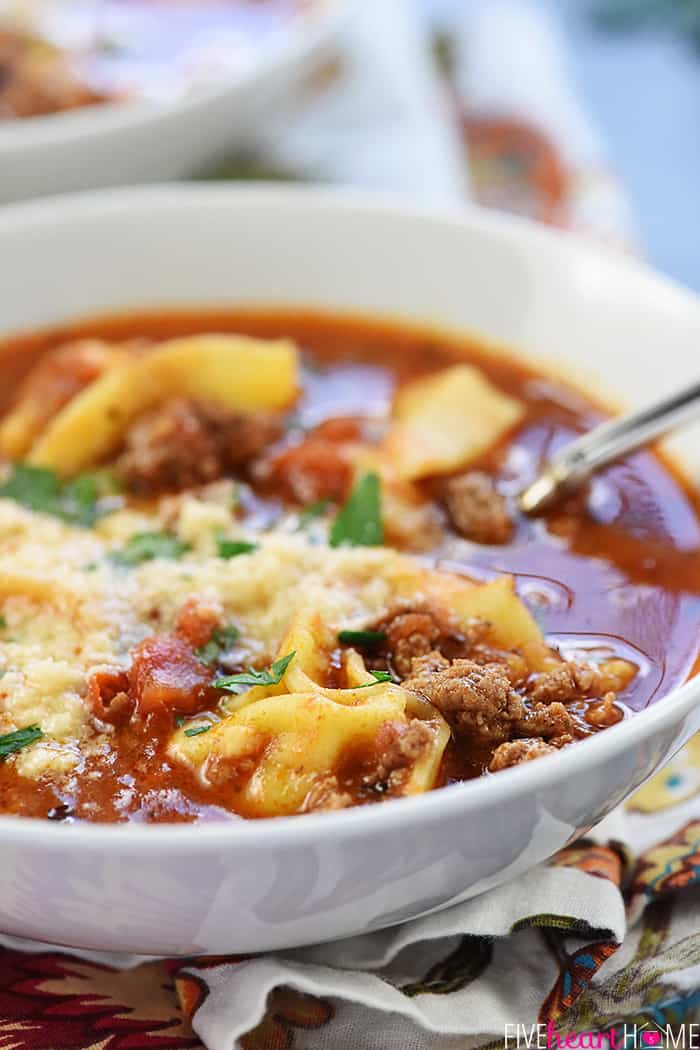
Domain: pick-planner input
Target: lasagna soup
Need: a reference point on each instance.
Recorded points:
(266, 563)
(57, 56)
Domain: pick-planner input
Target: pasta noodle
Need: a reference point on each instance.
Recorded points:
(300, 730)
(445, 421)
(237, 372)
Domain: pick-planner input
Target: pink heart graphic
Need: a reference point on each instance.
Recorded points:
(651, 1038)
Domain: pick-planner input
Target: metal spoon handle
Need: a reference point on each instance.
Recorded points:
(606, 443)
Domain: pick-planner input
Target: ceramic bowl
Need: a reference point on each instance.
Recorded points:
(291, 881)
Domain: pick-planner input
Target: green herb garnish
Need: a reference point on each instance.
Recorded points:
(93, 486)
(240, 683)
(313, 511)
(106, 482)
(198, 730)
(146, 546)
(232, 548)
(381, 676)
(74, 501)
(365, 639)
(222, 639)
(359, 520)
(33, 487)
(15, 741)
(3, 623)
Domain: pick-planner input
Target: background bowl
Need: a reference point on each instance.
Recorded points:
(292, 881)
(138, 141)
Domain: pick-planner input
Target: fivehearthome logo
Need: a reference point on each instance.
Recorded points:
(618, 1037)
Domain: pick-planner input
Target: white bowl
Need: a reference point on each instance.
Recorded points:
(293, 881)
(136, 141)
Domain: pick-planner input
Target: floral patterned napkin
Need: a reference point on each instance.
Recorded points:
(602, 944)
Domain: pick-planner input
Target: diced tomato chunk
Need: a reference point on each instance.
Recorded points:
(107, 695)
(316, 469)
(340, 429)
(166, 674)
(197, 620)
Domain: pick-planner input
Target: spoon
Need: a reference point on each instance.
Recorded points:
(573, 465)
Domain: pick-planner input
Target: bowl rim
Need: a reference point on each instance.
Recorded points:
(393, 814)
(310, 30)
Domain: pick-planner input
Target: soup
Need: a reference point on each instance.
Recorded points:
(72, 55)
(260, 563)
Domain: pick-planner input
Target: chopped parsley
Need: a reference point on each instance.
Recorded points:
(3, 623)
(232, 548)
(95, 485)
(359, 520)
(198, 730)
(221, 640)
(380, 676)
(19, 738)
(365, 639)
(75, 501)
(312, 512)
(146, 546)
(240, 683)
(33, 487)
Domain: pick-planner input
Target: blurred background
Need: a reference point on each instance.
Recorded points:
(635, 65)
(581, 113)
(638, 69)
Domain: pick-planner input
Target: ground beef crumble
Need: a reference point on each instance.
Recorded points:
(400, 746)
(410, 635)
(416, 632)
(550, 721)
(184, 443)
(476, 700)
(513, 752)
(566, 682)
(477, 510)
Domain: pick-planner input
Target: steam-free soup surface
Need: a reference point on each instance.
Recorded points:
(219, 540)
